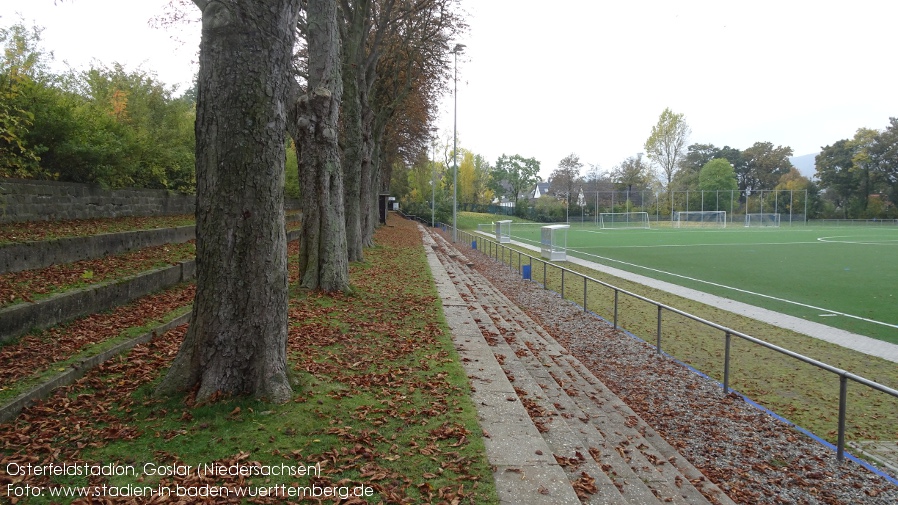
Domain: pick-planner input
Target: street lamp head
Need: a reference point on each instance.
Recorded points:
(459, 48)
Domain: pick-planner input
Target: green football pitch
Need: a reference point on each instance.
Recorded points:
(841, 276)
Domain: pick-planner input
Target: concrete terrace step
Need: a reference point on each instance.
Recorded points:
(607, 453)
(630, 450)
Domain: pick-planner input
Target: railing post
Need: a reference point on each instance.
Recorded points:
(584, 294)
(615, 308)
(562, 283)
(726, 364)
(658, 343)
(544, 276)
(843, 407)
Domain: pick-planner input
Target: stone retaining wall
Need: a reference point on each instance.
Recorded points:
(31, 200)
(21, 256)
(9, 411)
(20, 318)
(33, 255)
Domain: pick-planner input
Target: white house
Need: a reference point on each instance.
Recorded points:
(542, 188)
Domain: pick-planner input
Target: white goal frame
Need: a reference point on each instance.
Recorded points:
(700, 219)
(624, 221)
(762, 219)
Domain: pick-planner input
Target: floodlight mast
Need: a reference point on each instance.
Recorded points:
(455, 50)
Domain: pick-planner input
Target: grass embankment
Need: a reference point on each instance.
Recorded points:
(801, 393)
(381, 402)
(48, 230)
(33, 285)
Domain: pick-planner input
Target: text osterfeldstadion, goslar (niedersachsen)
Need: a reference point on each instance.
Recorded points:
(153, 469)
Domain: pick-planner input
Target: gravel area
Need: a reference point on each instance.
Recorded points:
(750, 455)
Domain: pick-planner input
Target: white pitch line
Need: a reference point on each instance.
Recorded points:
(701, 245)
(829, 311)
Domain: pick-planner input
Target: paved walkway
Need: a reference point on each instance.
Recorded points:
(843, 338)
(554, 434)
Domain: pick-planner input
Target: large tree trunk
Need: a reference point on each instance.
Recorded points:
(323, 260)
(236, 343)
(369, 195)
(352, 158)
(371, 173)
(355, 31)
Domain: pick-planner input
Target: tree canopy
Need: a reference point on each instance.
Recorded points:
(513, 175)
(665, 146)
(106, 125)
(565, 180)
(717, 175)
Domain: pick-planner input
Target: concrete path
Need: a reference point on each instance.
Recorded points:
(554, 434)
(843, 338)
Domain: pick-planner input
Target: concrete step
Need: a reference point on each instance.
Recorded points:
(607, 452)
(635, 453)
(523, 467)
(563, 445)
(585, 441)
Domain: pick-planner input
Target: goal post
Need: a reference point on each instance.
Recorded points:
(624, 220)
(700, 219)
(762, 219)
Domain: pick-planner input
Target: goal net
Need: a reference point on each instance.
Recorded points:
(623, 220)
(701, 219)
(762, 219)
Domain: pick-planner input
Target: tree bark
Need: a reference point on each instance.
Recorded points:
(236, 343)
(323, 260)
(355, 29)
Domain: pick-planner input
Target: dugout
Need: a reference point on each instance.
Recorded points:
(503, 231)
(554, 242)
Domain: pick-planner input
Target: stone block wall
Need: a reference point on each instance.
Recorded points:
(30, 200)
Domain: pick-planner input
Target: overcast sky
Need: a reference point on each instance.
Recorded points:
(591, 77)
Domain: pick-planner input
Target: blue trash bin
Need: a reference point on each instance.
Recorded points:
(525, 272)
(474, 245)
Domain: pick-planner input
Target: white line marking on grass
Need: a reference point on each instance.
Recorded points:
(828, 311)
(699, 245)
(833, 240)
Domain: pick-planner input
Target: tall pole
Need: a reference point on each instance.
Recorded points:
(433, 186)
(457, 49)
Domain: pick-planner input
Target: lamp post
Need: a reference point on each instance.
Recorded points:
(433, 185)
(455, 50)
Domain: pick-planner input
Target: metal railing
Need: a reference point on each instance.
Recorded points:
(854, 222)
(500, 251)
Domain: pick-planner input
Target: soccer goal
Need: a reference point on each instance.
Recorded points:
(624, 220)
(762, 219)
(701, 219)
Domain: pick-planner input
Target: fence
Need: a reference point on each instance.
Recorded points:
(854, 222)
(500, 251)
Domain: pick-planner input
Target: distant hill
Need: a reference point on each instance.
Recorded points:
(805, 164)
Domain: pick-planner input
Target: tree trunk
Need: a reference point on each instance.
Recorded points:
(353, 62)
(374, 157)
(369, 197)
(236, 343)
(323, 260)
